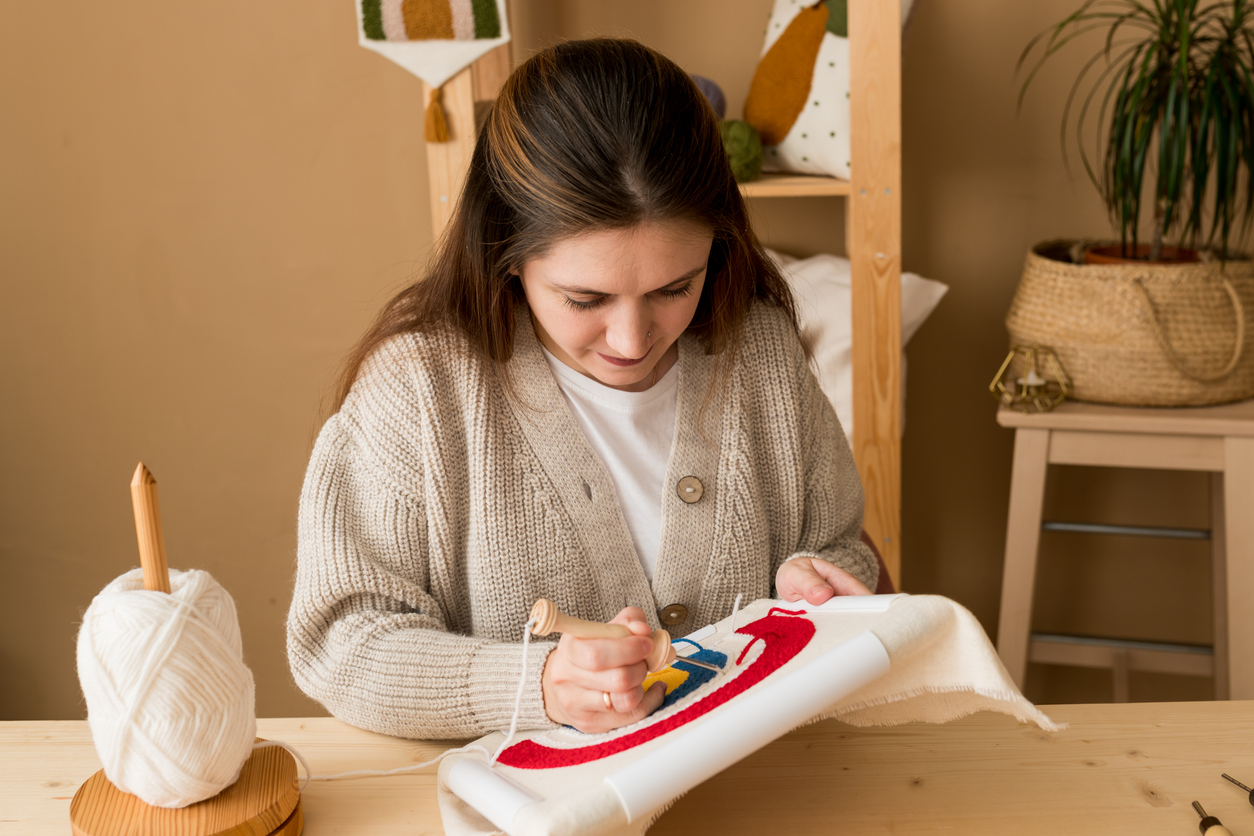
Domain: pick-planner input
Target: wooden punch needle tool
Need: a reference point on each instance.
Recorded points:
(549, 619)
(1210, 826)
(263, 801)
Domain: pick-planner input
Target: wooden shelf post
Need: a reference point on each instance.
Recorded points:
(448, 162)
(874, 248)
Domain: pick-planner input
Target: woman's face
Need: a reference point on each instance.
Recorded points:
(610, 303)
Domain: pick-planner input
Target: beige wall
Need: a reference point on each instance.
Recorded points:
(202, 205)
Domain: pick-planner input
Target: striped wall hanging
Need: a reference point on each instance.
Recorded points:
(434, 40)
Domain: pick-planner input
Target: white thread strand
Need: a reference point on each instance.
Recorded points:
(400, 770)
(291, 750)
(735, 610)
(522, 684)
(364, 773)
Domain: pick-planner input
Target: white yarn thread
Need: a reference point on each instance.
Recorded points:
(368, 773)
(522, 683)
(169, 698)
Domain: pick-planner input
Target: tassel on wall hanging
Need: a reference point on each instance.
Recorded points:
(434, 40)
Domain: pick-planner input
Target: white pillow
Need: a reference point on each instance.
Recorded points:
(821, 285)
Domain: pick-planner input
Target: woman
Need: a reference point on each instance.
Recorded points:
(598, 396)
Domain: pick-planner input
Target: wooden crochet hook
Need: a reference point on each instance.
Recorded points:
(148, 530)
(549, 619)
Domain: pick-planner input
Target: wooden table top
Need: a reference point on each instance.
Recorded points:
(1131, 768)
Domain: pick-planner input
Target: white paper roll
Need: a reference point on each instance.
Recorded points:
(496, 797)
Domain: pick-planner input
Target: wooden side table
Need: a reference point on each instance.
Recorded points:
(1218, 439)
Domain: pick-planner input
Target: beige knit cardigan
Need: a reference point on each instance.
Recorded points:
(437, 508)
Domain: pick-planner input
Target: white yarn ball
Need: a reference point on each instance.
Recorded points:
(169, 698)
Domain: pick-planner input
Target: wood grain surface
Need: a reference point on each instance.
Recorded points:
(1131, 768)
(448, 162)
(490, 72)
(263, 801)
(148, 530)
(1238, 499)
(874, 247)
(1226, 419)
(795, 185)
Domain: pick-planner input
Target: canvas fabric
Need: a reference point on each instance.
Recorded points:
(943, 667)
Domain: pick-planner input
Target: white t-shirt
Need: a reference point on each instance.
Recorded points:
(632, 433)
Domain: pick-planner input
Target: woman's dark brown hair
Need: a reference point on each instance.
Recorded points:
(587, 135)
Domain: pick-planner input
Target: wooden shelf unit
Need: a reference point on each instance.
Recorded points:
(873, 237)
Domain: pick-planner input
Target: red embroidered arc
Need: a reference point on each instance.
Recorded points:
(782, 639)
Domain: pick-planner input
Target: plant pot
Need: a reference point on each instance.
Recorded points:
(1137, 333)
(1113, 254)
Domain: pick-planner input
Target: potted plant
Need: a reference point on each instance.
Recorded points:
(1159, 322)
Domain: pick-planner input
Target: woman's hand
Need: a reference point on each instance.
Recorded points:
(580, 672)
(815, 580)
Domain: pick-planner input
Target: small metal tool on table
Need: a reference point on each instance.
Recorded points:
(1242, 786)
(1209, 825)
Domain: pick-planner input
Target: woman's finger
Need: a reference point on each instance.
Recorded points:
(625, 702)
(634, 619)
(605, 654)
(614, 680)
(589, 713)
(841, 582)
(798, 579)
(643, 704)
(651, 702)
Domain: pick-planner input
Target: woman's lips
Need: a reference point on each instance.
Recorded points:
(621, 361)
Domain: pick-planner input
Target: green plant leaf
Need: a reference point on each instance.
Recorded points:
(1176, 99)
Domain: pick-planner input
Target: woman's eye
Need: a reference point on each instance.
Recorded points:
(677, 291)
(583, 305)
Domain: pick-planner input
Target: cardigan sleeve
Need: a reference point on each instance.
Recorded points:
(831, 527)
(365, 635)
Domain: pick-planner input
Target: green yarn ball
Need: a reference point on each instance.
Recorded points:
(744, 149)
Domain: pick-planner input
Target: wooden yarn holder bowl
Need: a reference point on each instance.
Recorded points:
(263, 801)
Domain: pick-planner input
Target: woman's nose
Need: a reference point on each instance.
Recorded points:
(627, 333)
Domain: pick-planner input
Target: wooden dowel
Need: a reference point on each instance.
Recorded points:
(148, 530)
(549, 619)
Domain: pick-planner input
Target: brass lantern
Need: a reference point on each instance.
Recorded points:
(1031, 379)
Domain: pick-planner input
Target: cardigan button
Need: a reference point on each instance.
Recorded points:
(690, 489)
(673, 614)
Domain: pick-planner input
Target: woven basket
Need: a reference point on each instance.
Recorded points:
(1140, 334)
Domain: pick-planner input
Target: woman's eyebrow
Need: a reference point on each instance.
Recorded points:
(583, 291)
